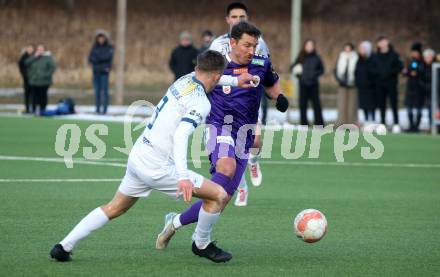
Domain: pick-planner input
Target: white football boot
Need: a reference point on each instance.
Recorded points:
(241, 199)
(167, 233)
(255, 174)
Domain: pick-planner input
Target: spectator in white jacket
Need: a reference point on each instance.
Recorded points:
(345, 75)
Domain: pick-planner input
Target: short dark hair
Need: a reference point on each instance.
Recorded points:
(381, 37)
(207, 33)
(211, 61)
(236, 5)
(244, 28)
(349, 44)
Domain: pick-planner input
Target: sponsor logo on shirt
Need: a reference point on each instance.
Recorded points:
(196, 114)
(258, 62)
(175, 92)
(241, 70)
(226, 89)
(226, 139)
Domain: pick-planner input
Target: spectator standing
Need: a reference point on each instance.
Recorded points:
(41, 67)
(426, 79)
(27, 92)
(207, 38)
(386, 67)
(183, 58)
(308, 67)
(365, 82)
(414, 98)
(345, 75)
(101, 58)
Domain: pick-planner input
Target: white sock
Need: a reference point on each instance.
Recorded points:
(176, 222)
(253, 159)
(204, 228)
(94, 220)
(243, 183)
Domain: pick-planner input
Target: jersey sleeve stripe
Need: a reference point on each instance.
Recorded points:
(189, 120)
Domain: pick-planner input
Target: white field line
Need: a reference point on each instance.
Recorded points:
(103, 162)
(59, 180)
(59, 160)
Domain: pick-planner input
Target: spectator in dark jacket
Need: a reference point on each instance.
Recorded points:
(365, 82)
(426, 78)
(101, 58)
(414, 93)
(27, 92)
(386, 68)
(184, 56)
(41, 68)
(308, 67)
(207, 38)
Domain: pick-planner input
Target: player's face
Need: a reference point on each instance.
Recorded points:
(236, 16)
(244, 49)
(213, 79)
(216, 77)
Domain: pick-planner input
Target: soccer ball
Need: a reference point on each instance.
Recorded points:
(310, 225)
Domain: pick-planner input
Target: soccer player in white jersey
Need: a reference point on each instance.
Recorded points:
(235, 13)
(158, 161)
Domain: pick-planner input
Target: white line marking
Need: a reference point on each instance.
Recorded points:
(59, 160)
(284, 162)
(358, 164)
(57, 180)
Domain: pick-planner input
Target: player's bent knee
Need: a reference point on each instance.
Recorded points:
(113, 211)
(225, 203)
(221, 196)
(226, 167)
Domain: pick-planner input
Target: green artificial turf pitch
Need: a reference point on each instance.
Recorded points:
(383, 220)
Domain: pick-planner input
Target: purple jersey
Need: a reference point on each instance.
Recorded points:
(241, 103)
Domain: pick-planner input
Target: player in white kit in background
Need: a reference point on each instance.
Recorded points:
(235, 13)
(158, 161)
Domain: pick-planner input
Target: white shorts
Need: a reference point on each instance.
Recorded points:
(146, 172)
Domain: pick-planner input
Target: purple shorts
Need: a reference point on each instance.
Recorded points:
(220, 146)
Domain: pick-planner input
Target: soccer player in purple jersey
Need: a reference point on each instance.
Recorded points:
(235, 13)
(231, 121)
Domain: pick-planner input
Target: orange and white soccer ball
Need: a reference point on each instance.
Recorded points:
(310, 225)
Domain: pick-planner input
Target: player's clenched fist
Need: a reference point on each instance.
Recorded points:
(246, 80)
(186, 187)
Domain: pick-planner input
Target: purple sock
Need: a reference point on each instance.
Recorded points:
(191, 215)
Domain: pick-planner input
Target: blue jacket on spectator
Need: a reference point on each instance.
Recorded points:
(101, 54)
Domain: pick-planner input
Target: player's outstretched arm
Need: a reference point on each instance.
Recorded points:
(274, 92)
(244, 80)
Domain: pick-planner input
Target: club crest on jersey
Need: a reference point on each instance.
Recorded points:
(226, 89)
(258, 62)
(238, 71)
(256, 82)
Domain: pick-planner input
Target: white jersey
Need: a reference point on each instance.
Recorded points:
(222, 44)
(186, 102)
